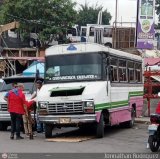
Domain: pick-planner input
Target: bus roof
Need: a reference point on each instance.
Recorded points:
(74, 48)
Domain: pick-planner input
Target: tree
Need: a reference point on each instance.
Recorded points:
(158, 10)
(46, 17)
(89, 15)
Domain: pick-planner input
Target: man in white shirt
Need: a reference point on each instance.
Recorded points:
(40, 127)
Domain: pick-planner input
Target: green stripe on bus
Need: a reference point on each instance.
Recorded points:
(118, 103)
(138, 93)
(113, 105)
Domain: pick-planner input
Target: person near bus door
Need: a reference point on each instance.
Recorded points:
(40, 126)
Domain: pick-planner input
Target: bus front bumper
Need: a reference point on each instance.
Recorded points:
(68, 119)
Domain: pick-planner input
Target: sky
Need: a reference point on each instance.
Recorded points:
(126, 10)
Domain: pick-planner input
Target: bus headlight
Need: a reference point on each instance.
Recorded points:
(43, 105)
(89, 106)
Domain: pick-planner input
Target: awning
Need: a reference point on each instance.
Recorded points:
(157, 78)
(31, 71)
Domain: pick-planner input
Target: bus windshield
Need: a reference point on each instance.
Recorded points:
(75, 67)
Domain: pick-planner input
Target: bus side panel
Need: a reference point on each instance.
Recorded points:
(138, 102)
(119, 115)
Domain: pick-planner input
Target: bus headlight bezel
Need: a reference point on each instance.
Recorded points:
(43, 105)
(89, 106)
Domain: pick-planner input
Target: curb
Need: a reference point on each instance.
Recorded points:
(142, 120)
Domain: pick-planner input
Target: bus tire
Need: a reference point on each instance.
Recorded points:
(48, 130)
(153, 143)
(130, 123)
(100, 127)
(3, 126)
(108, 45)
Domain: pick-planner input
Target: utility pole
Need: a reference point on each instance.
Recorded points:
(115, 29)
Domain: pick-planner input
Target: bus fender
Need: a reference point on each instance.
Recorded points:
(98, 115)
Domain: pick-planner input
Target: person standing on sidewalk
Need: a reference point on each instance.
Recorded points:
(16, 108)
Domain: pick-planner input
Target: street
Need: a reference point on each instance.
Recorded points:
(116, 139)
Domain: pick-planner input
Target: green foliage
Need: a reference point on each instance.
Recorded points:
(47, 17)
(89, 15)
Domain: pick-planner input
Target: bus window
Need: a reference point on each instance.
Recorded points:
(114, 69)
(91, 32)
(122, 71)
(138, 72)
(84, 30)
(131, 71)
(107, 32)
(72, 31)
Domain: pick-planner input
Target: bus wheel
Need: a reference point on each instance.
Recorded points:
(130, 124)
(3, 126)
(100, 127)
(48, 130)
(108, 45)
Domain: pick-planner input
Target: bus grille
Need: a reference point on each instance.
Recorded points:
(4, 107)
(72, 107)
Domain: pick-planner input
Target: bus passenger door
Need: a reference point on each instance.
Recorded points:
(83, 33)
(98, 35)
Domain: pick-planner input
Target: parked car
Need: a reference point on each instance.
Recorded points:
(29, 84)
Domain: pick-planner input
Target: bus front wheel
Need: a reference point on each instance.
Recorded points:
(48, 130)
(100, 127)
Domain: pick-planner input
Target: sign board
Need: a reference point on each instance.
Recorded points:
(145, 24)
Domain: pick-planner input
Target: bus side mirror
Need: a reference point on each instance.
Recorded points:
(158, 94)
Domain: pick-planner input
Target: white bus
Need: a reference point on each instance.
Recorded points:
(96, 33)
(90, 84)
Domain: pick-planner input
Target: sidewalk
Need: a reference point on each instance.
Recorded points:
(145, 120)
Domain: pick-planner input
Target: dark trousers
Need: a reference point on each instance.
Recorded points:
(15, 123)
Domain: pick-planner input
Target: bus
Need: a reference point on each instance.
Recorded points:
(88, 84)
(96, 33)
(73, 34)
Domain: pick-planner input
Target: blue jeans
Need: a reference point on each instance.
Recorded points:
(40, 126)
(15, 123)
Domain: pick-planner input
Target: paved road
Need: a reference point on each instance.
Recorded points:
(116, 140)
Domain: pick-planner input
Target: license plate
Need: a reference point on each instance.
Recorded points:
(64, 120)
(152, 127)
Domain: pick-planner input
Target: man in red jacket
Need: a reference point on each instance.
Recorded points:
(16, 107)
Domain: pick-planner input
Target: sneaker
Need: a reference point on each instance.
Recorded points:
(27, 135)
(12, 136)
(39, 131)
(34, 135)
(19, 137)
